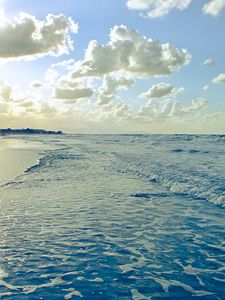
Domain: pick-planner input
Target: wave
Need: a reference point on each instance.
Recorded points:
(187, 165)
(149, 196)
(192, 151)
(189, 172)
(42, 162)
(51, 158)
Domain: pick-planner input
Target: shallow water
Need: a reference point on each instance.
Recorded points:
(16, 155)
(117, 217)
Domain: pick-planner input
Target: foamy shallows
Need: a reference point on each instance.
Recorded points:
(113, 217)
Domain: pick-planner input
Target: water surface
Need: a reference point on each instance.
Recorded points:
(117, 217)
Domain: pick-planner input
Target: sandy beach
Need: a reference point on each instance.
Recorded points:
(16, 155)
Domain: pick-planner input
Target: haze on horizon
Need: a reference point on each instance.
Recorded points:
(119, 66)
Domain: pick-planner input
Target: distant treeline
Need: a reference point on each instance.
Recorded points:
(27, 131)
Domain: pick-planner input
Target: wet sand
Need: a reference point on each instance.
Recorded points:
(16, 155)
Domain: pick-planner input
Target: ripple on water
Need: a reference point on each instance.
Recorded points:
(101, 219)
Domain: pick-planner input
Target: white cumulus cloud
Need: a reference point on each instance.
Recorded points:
(170, 109)
(161, 90)
(109, 87)
(214, 7)
(179, 110)
(209, 62)
(219, 79)
(157, 8)
(28, 37)
(130, 53)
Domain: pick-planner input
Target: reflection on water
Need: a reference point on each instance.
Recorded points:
(117, 217)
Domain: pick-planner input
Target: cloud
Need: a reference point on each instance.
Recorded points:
(4, 108)
(209, 62)
(161, 90)
(51, 76)
(214, 7)
(72, 90)
(170, 109)
(72, 94)
(26, 104)
(48, 110)
(5, 91)
(205, 87)
(36, 84)
(110, 85)
(66, 82)
(219, 79)
(157, 8)
(12, 94)
(121, 111)
(179, 111)
(66, 64)
(29, 38)
(129, 53)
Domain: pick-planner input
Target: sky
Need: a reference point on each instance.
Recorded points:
(113, 66)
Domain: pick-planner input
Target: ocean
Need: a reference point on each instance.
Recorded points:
(114, 217)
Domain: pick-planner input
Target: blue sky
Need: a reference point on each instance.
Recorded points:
(111, 101)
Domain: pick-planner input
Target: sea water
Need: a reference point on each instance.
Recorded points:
(116, 217)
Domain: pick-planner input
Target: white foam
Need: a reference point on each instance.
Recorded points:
(136, 295)
(72, 292)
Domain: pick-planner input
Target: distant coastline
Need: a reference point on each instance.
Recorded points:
(10, 131)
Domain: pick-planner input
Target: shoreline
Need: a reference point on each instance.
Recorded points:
(16, 156)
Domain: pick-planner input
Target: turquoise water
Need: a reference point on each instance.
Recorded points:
(117, 217)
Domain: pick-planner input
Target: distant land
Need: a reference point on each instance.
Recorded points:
(10, 131)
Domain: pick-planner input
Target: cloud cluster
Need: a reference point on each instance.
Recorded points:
(197, 104)
(170, 109)
(16, 101)
(110, 85)
(105, 69)
(117, 65)
(131, 54)
(22, 108)
(71, 91)
(29, 38)
(157, 8)
(220, 78)
(161, 90)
